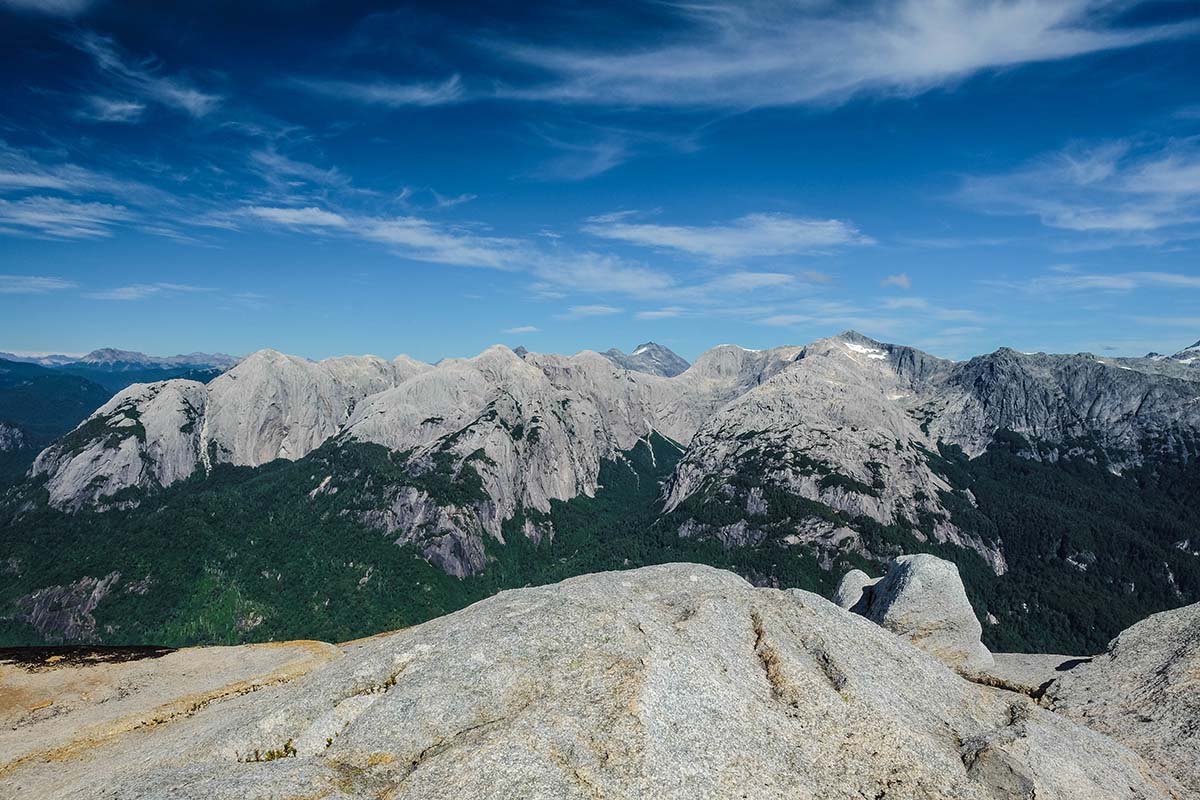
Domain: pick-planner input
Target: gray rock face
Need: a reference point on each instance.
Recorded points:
(677, 681)
(837, 424)
(651, 358)
(11, 437)
(1144, 692)
(275, 406)
(269, 406)
(148, 435)
(854, 585)
(64, 613)
(922, 599)
(1061, 400)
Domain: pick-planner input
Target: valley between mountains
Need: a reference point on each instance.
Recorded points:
(286, 498)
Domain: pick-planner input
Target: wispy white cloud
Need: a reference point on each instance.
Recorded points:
(54, 8)
(33, 284)
(581, 312)
(1117, 189)
(141, 291)
(522, 329)
(442, 201)
(107, 109)
(585, 151)
(390, 94)
(901, 280)
(21, 171)
(422, 239)
(739, 55)
(56, 217)
(597, 272)
(284, 170)
(661, 313)
(300, 217)
(753, 235)
(144, 77)
(1069, 279)
(578, 161)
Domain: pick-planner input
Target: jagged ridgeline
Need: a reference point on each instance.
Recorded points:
(296, 499)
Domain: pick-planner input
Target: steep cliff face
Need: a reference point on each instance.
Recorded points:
(147, 436)
(269, 406)
(838, 425)
(1068, 402)
(276, 406)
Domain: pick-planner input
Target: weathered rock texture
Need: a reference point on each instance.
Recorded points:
(1144, 691)
(677, 681)
(854, 585)
(922, 599)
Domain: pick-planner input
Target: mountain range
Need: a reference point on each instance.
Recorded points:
(415, 488)
(120, 360)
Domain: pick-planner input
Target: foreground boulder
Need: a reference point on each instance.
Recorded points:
(1144, 691)
(854, 586)
(922, 599)
(678, 681)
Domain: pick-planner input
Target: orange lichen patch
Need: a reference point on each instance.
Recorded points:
(89, 725)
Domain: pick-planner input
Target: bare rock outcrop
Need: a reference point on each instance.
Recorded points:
(11, 437)
(677, 681)
(922, 599)
(147, 436)
(151, 435)
(1144, 691)
(854, 586)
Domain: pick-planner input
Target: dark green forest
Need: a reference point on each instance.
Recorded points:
(248, 555)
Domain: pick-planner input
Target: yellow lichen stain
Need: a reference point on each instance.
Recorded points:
(379, 759)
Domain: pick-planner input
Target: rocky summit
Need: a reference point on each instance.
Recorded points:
(676, 681)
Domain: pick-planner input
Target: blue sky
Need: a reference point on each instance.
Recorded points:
(431, 179)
